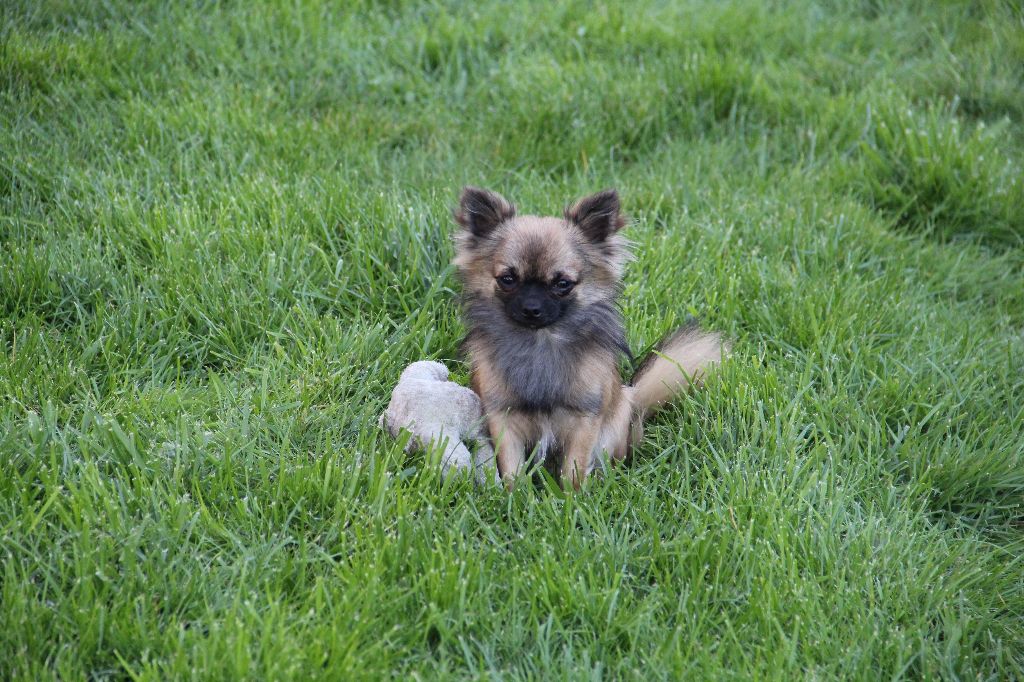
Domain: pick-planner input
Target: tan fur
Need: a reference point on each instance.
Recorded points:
(586, 248)
(577, 435)
(684, 360)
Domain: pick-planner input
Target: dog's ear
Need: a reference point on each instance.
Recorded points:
(597, 216)
(481, 210)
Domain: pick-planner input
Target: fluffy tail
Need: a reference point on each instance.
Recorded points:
(681, 359)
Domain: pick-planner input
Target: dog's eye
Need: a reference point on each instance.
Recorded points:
(507, 281)
(563, 286)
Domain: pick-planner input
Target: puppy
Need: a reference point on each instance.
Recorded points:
(544, 334)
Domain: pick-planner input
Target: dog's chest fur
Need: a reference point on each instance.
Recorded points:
(540, 370)
(545, 369)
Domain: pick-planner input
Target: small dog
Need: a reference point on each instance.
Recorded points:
(544, 334)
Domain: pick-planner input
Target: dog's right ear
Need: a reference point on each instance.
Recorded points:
(481, 210)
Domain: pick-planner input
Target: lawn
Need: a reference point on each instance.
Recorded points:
(225, 229)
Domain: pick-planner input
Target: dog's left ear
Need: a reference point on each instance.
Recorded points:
(597, 216)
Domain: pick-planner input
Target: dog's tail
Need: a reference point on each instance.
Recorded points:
(681, 359)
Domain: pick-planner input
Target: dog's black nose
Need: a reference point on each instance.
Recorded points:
(531, 309)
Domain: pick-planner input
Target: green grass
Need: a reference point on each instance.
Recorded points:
(224, 231)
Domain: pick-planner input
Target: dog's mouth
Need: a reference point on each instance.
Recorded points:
(533, 317)
(533, 324)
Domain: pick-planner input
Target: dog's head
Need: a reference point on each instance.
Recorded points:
(538, 270)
